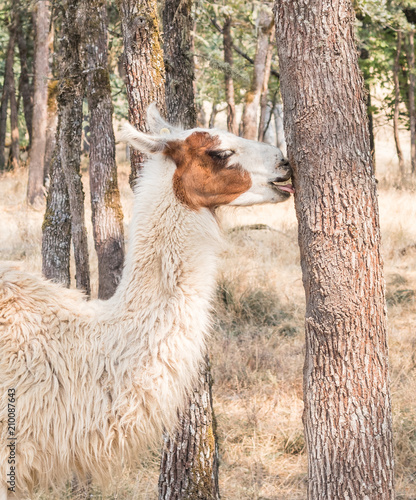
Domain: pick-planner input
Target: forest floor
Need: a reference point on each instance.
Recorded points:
(257, 346)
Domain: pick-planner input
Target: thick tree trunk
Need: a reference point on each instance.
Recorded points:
(252, 100)
(396, 68)
(264, 99)
(178, 47)
(228, 79)
(107, 215)
(70, 97)
(56, 229)
(42, 17)
(189, 466)
(8, 79)
(347, 413)
(145, 73)
(412, 87)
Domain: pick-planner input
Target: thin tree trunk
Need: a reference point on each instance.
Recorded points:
(252, 100)
(264, 99)
(189, 466)
(178, 25)
(347, 414)
(14, 156)
(214, 112)
(280, 133)
(145, 73)
(228, 79)
(412, 87)
(51, 128)
(56, 228)
(8, 79)
(25, 86)
(70, 97)
(107, 215)
(396, 68)
(42, 16)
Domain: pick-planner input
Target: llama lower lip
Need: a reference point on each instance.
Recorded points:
(288, 188)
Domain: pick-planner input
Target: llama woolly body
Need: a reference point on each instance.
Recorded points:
(96, 382)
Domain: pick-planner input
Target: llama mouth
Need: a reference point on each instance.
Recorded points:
(287, 188)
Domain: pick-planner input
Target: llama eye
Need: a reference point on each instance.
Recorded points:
(221, 154)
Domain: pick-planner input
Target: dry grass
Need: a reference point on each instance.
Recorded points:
(257, 348)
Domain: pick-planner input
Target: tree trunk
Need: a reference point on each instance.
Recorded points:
(51, 129)
(214, 112)
(252, 100)
(228, 78)
(25, 86)
(347, 414)
(264, 99)
(189, 466)
(70, 97)
(178, 48)
(56, 228)
(280, 133)
(412, 87)
(42, 17)
(145, 74)
(14, 156)
(396, 68)
(107, 215)
(8, 79)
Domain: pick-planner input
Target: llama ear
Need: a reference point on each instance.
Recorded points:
(157, 124)
(148, 144)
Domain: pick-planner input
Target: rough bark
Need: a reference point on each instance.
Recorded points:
(189, 466)
(347, 414)
(8, 79)
(410, 47)
(56, 229)
(42, 16)
(252, 100)
(396, 69)
(264, 99)
(70, 97)
(178, 46)
(107, 215)
(145, 73)
(228, 79)
(189, 463)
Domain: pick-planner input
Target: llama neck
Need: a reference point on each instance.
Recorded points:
(157, 321)
(172, 249)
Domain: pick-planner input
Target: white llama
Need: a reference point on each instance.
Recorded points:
(89, 385)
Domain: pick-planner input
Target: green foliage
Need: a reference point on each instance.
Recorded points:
(378, 22)
(210, 66)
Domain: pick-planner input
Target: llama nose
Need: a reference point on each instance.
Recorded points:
(284, 170)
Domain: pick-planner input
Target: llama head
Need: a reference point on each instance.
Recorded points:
(213, 167)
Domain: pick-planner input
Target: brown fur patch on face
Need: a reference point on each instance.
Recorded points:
(202, 180)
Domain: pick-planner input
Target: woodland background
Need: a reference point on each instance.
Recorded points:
(257, 347)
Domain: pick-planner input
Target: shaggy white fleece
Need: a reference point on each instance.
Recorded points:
(96, 382)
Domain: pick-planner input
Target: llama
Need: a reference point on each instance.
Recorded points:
(94, 383)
